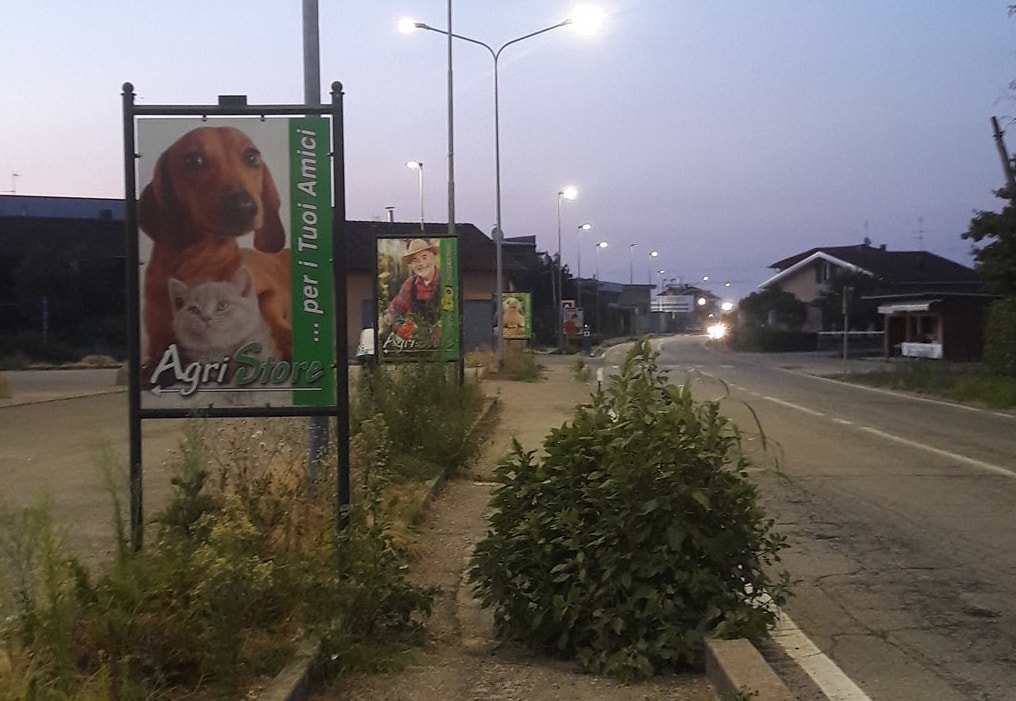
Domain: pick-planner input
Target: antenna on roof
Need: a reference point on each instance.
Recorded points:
(920, 234)
(14, 183)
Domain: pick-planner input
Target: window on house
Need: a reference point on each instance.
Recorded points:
(822, 271)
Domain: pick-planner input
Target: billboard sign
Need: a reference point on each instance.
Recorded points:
(517, 314)
(418, 293)
(572, 320)
(673, 303)
(235, 248)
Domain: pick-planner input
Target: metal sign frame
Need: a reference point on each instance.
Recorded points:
(234, 106)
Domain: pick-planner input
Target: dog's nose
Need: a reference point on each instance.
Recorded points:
(238, 212)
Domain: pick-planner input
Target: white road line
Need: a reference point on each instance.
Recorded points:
(836, 685)
(791, 405)
(987, 466)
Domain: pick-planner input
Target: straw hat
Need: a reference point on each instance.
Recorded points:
(417, 245)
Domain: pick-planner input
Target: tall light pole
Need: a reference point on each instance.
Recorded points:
(649, 266)
(596, 278)
(565, 193)
(418, 167)
(631, 262)
(578, 266)
(586, 23)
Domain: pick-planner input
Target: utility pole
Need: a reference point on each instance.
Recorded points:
(1010, 179)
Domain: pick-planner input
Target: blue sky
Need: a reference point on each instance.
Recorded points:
(724, 135)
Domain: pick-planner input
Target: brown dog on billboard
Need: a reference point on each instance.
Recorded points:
(208, 188)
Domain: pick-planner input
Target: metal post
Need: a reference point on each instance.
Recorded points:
(342, 488)
(133, 321)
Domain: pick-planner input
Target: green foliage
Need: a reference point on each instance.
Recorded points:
(634, 537)
(775, 309)
(1000, 338)
(994, 236)
(579, 369)
(430, 418)
(963, 382)
(862, 313)
(246, 562)
(755, 339)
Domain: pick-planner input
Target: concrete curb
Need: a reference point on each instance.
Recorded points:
(736, 665)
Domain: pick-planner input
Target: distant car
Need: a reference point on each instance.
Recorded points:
(365, 348)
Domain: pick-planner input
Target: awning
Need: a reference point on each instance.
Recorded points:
(902, 307)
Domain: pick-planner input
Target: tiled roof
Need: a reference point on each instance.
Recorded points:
(905, 268)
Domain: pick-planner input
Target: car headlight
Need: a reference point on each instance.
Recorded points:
(716, 331)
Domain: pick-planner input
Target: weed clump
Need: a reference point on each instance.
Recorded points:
(243, 563)
(637, 535)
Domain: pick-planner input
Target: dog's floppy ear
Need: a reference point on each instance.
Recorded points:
(155, 205)
(270, 237)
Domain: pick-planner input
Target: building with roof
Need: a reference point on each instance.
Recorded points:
(84, 239)
(931, 306)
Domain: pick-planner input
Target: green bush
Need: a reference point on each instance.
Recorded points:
(757, 339)
(637, 534)
(430, 417)
(245, 563)
(1000, 338)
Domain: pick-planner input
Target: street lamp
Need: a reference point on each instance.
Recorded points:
(631, 262)
(584, 23)
(578, 265)
(566, 193)
(418, 167)
(649, 266)
(596, 277)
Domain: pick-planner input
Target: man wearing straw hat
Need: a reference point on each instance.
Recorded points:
(420, 294)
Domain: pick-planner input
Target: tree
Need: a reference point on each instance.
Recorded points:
(540, 278)
(994, 237)
(775, 308)
(862, 314)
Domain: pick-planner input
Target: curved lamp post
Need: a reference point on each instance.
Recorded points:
(586, 22)
(418, 167)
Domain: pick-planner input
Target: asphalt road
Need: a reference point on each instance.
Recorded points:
(899, 517)
(53, 434)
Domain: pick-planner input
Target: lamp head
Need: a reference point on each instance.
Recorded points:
(414, 165)
(585, 227)
(408, 26)
(601, 244)
(568, 193)
(586, 19)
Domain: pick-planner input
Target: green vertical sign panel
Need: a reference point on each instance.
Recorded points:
(450, 319)
(310, 190)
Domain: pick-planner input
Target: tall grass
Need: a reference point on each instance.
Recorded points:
(243, 563)
(963, 382)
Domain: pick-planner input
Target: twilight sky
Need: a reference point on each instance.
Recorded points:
(725, 135)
